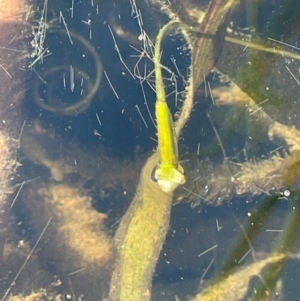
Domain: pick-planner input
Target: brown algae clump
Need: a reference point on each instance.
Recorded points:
(81, 227)
(75, 241)
(40, 295)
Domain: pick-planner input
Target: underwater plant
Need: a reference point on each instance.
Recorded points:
(86, 218)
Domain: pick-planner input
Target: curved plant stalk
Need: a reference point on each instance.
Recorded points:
(169, 173)
(142, 231)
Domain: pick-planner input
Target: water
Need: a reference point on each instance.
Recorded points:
(81, 164)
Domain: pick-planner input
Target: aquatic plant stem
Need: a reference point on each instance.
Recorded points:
(139, 239)
(212, 33)
(142, 231)
(169, 173)
(206, 47)
(143, 228)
